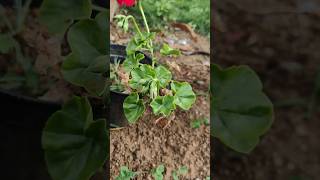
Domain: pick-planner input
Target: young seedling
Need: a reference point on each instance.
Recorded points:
(181, 171)
(157, 173)
(197, 123)
(126, 174)
(151, 84)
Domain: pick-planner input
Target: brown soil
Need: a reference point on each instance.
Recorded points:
(44, 51)
(145, 145)
(283, 47)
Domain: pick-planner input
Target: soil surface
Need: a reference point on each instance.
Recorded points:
(279, 40)
(44, 53)
(145, 145)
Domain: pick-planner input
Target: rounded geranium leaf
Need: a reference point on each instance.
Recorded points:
(241, 112)
(184, 96)
(75, 145)
(88, 42)
(163, 105)
(141, 78)
(133, 107)
(163, 75)
(58, 15)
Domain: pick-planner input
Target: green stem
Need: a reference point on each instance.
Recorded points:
(148, 30)
(135, 25)
(99, 8)
(144, 17)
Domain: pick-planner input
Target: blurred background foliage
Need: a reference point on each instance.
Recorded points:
(193, 12)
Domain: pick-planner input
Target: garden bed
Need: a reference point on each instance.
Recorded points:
(146, 145)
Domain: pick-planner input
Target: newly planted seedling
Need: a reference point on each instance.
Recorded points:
(150, 84)
(179, 172)
(157, 173)
(197, 123)
(126, 174)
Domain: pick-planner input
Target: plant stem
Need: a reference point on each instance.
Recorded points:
(148, 30)
(99, 8)
(144, 17)
(136, 25)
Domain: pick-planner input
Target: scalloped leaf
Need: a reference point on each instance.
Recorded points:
(184, 96)
(87, 64)
(75, 145)
(133, 107)
(163, 105)
(241, 112)
(58, 15)
(163, 75)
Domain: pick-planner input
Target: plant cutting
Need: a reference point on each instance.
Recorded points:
(146, 84)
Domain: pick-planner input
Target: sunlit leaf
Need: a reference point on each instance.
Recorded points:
(133, 107)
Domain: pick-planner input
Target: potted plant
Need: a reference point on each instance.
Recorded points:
(70, 134)
(141, 79)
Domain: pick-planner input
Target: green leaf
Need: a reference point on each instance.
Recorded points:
(133, 107)
(157, 173)
(7, 43)
(197, 123)
(88, 62)
(181, 171)
(75, 145)
(58, 15)
(142, 78)
(139, 42)
(241, 112)
(125, 174)
(184, 96)
(163, 75)
(166, 50)
(123, 22)
(163, 105)
(132, 61)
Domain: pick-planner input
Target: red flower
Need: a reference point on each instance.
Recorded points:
(127, 3)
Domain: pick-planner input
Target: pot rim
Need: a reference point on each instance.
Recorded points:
(124, 56)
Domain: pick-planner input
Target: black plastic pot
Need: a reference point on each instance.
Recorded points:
(21, 123)
(117, 117)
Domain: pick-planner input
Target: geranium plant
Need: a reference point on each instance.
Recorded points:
(75, 144)
(148, 83)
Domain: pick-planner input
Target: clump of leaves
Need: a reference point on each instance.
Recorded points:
(157, 173)
(179, 172)
(27, 80)
(151, 83)
(126, 174)
(197, 123)
(76, 145)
